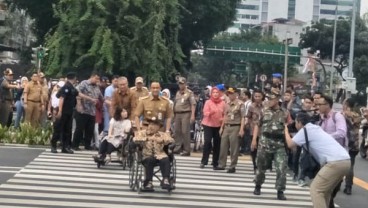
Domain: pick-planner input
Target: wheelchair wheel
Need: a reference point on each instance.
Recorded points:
(172, 179)
(133, 174)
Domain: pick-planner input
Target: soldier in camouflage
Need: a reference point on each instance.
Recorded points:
(271, 144)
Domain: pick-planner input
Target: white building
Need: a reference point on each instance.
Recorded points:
(255, 12)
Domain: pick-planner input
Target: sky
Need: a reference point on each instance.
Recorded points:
(364, 6)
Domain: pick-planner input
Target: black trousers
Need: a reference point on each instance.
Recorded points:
(63, 130)
(85, 125)
(349, 177)
(106, 148)
(211, 135)
(150, 163)
(296, 158)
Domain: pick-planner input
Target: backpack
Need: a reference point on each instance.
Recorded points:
(350, 134)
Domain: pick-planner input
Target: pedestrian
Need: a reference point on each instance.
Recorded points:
(123, 97)
(213, 115)
(19, 102)
(139, 91)
(6, 96)
(184, 110)
(232, 131)
(45, 95)
(333, 158)
(53, 106)
(109, 91)
(271, 145)
(253, 116)
(86, 111)
(33, 101)
(355, 120)
(154, 106)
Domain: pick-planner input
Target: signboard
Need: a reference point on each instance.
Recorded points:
(263, 77)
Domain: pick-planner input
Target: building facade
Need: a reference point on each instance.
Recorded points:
(255, 12)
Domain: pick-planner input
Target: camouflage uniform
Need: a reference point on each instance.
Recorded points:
(272, 147)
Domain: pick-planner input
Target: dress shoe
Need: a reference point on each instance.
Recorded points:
(201, 166)
(77, 149)
(231, 170)
(280, 195)
(347, 190)
(257, 190)
(67, 151)
(185, 154)
(218, 168)
(53, 150)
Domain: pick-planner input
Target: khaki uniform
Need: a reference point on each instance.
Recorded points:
(6, 102)
(125, 101)
(45, 96)
(151, 107)
(235, 112)
(138, 94)
(183, 110)
(34, 103)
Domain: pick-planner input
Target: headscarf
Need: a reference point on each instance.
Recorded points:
(215, 100)
(167, 91)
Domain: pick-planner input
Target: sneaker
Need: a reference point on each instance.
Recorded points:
(148, 186)
(302, 183)
(165, 184)
(53, 150)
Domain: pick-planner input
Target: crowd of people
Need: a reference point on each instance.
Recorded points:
(272, 125)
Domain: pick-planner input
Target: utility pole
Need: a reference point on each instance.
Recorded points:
(287, 41)
(352, 41)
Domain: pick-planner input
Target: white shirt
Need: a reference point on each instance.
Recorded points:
(322, 146)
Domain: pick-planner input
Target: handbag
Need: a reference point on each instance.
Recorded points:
(308, 165)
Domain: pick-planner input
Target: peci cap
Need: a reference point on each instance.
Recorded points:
(139, 80)
(71, 75)
(274, 94)
(231, 90)
(182, 80)
(8, 72)
(277, 75)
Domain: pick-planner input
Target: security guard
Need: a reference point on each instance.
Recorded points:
(153, 106)
(45, 95)
(232, 131)
(184, 110)
(139, 91)
(6, 96)
(64, 120)
(271, 144)
(33, 101)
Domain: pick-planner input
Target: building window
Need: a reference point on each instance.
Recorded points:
(332, 12)
(334, 2)
(249, 7)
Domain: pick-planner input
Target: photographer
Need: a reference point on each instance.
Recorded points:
(333, 158)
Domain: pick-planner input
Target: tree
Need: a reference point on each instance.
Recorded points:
(125, 37)
(320, 37)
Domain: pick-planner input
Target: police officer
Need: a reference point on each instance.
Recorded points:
(153, 106)
(271, 144)
(184, 109)
(64, 119)
(6, 96)
(33, 101)
(232, 131)
(139, 91)
(276, 81)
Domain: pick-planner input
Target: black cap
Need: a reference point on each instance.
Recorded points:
(71, 75)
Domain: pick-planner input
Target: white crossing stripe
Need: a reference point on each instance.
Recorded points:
(62, 180)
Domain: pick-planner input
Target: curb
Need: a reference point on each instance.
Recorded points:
(23, 146)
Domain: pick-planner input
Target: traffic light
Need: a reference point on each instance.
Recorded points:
(38, 54)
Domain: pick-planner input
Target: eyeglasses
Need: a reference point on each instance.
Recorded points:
(319, 104)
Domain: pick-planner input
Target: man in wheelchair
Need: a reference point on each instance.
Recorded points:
(153, 143)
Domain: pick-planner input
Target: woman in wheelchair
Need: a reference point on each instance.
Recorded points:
(153, 143)
(119, 127)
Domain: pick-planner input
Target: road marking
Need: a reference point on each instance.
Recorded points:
(359, 182)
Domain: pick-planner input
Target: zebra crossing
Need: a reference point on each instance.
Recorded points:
(61, 180)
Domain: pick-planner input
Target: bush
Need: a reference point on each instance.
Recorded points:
(26, 134)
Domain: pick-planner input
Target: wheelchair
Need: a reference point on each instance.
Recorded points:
(124, 155)
(197, 136)
(136, 171)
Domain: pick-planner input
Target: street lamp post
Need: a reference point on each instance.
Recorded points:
(352, 40)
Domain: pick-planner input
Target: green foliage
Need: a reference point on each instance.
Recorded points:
(125, 37)
(26, 135)
(320, 37)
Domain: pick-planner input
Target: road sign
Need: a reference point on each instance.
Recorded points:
(263, 77)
